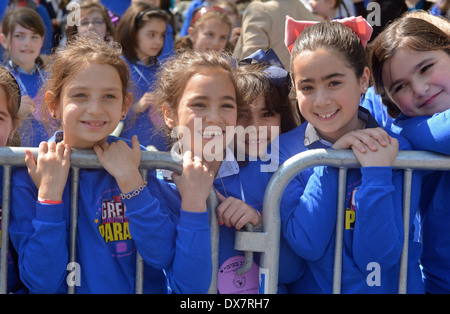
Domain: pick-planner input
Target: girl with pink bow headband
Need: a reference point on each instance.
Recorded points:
(330, 75)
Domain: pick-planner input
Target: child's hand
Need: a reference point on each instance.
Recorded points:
(382, 157)
(122, 162)
(370, 138)
(146, 101)
(234, 212)
(51, 170)
(194, 184)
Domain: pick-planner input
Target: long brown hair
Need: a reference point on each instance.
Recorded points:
(132, 20)
(27, 18)
(67, 60)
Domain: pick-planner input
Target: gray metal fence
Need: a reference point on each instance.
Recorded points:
(267, 242)
(87, 159)
(264, 242)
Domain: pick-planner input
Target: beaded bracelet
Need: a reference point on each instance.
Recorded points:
(135, 192)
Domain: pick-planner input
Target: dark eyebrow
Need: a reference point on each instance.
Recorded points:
(200, 97)
(417, 67)
(324, 78)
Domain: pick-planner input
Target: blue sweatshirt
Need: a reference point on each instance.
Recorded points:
(109, 233)
(244, 181)
(377, 109)
(373, 221)
(31, 129)
(145, 124)
(432, 134)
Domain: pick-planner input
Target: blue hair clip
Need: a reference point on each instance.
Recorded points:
(277, 75)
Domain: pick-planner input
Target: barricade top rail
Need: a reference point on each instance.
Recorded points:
(87, 159)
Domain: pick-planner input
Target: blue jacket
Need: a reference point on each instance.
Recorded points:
(373, 221)
(432, 134)
(377, 109)
(145, 124)
(110, 231)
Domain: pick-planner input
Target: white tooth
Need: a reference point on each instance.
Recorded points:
(327, 115)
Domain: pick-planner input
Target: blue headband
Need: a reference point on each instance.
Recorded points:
(276, 73)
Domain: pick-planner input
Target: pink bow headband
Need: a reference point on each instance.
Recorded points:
(358, 24)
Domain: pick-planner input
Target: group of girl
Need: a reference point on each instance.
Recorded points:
(198, 97)
(144, 32)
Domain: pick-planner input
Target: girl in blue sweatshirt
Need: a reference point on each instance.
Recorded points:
(200, 101)
(119, 211)
(329, 71)
(141, 32)
(23, 37)
(267, 112)
(9, 113)
(411, 69)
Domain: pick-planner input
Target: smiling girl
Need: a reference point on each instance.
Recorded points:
(411, 70)
(199, 99)
(23, 37)
(210, 30)
(118, 210)
(141, 32)
(330, 74)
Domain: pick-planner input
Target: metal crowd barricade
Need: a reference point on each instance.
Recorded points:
(87, 159)
(267, 241)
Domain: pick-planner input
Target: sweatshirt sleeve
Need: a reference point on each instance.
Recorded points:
(308, 212)
(39, 233)
(378, 230)
(191, 271)
(428, 133)
(151, 227)
(180, 241)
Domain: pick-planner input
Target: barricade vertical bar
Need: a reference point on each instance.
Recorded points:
(337, 271)
(139, 281)
(73, 221)
(406, 217)
(139, 284)
(5, 233)
(212, 204)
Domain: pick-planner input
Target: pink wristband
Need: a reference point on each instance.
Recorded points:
(50, 202)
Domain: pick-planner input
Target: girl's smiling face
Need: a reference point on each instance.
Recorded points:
(259, 124)
(205, 109)
(91, 105)
(418, 81)
(24, 46)
(211, 35)
(328, 92)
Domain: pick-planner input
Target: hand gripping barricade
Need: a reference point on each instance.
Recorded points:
(266, 242)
